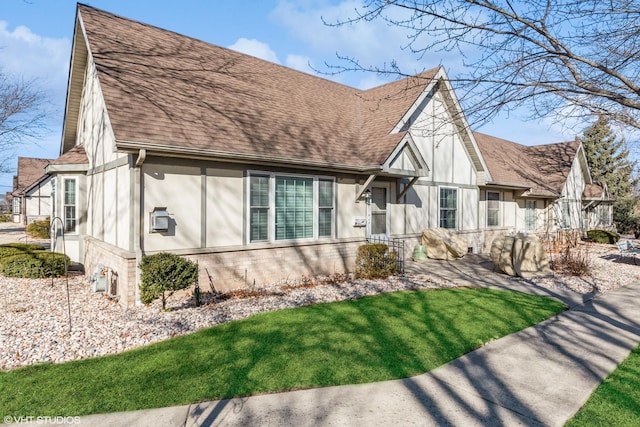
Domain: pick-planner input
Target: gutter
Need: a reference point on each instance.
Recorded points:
(205, 154)
(138, 221)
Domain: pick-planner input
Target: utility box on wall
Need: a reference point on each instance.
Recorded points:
(159, 220)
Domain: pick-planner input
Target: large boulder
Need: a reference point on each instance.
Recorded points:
(501, 254)
(441, 243)
(521, 255)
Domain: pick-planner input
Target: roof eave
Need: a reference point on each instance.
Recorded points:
(230, 157)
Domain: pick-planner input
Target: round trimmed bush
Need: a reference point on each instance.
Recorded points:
(35, 265)
(10, 249)
(39, 229)
(164, 273)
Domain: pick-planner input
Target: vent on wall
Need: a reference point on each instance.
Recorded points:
(159, 220)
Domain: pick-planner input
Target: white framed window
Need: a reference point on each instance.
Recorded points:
(16, 207)
(290, 207)
(493, 209)
(69, 206)
(448, 207)
(565, 220)
(530, 215)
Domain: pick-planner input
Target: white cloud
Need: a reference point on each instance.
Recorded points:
(300, 63)
(27, 55)
(372, 43)
(255, 48)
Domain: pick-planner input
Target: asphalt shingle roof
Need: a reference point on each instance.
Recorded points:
(541, 168)
(173, 91)
(30, 170)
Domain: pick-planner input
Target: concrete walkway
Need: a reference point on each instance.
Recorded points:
(539, 376)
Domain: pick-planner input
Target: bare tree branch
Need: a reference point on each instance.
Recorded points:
(22, 115)
(564, 58)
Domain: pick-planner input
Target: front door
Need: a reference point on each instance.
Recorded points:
(378, 212)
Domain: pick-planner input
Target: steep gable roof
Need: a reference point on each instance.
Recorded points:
(541, 169)
(174, 94)
(30, 170)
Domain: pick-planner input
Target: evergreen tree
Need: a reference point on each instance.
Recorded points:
(608, 159)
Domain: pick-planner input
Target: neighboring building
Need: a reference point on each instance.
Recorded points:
(540, 189)
(260, 172)
(31, 196)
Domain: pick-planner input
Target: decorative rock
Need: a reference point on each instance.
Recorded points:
(501, 254)
(529, 257)
(441, 243)
(521, 255)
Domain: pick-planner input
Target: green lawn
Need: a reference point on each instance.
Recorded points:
(375, 338)
(616, 402)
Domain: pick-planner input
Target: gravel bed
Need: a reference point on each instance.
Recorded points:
(34, 314)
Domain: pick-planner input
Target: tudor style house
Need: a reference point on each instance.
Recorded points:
(262, 173)
(31, 196)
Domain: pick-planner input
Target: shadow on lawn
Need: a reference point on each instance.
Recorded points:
(563, 360)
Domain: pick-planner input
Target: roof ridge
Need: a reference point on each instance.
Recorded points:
(146, 24)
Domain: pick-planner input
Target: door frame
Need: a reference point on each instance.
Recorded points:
(387, 188)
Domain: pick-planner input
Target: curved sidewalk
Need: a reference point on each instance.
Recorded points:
(541, 375)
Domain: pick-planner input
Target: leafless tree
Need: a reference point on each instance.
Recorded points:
(22, 115)
(557, 58)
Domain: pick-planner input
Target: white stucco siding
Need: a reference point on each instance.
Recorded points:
(122, 197)
(38, 201)
(348, 210)
(572, 196)
(95, 205)
(416, 214)
(468, 209)
(111, 208)
(224, 207)
(178, 189)
(94, 128)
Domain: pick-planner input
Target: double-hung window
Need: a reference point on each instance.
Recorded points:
(290, 207)
(530, 215)
(259, 208)
(69, 206)
(448, 207)
(493, 209)
(17, 204)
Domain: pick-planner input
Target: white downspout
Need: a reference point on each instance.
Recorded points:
(138, 221)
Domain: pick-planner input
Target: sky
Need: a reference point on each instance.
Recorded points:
(35, 43)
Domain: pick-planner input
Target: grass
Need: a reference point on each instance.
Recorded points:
(616, 402)
(375, 338)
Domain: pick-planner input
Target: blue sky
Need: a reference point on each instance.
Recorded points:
(35, 42)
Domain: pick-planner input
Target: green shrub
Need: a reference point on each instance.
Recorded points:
(162, 274)
(374, 260)
(34, 265)
(603, 236)
(10, 249)
(39, 229)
